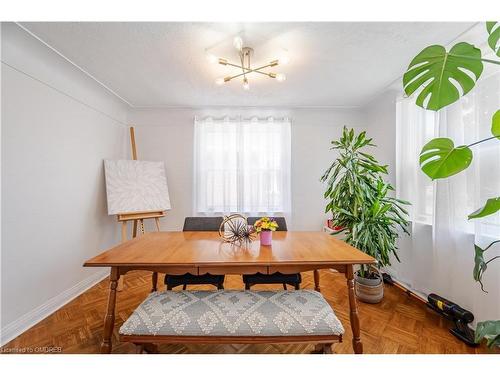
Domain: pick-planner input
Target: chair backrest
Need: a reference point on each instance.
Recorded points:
(279, 220)
(198, 224)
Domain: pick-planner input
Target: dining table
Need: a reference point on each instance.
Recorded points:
(198, 253)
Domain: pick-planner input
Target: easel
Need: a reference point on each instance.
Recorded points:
(138, 218)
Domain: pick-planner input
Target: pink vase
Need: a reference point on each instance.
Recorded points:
(266, 237)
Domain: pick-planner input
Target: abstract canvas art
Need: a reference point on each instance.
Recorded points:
(136, 186)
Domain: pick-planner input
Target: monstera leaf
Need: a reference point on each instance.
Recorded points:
(495, 124)
(493, 29)
(489, 330)
(440, 158)
(437, 71)
(491, 206)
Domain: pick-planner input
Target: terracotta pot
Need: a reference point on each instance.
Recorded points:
(369, 290)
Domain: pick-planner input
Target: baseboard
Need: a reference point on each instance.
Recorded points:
(28, 320)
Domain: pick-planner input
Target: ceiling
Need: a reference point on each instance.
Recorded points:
(164, 65)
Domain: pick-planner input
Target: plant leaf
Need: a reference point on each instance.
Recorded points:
(495, 122)
(489, 330)
(440, 158)
(491, 206)
(434, 68)
(479, 266)
(493, 29)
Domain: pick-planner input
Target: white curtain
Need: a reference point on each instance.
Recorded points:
(439, 255)
(242, 165)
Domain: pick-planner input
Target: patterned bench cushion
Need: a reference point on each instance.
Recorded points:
(233, 313)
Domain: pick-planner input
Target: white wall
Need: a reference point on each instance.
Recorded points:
(167, 135)
(57, 127)
(380, 121)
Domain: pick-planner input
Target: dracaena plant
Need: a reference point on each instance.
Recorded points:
(359, 201)
(433, 74)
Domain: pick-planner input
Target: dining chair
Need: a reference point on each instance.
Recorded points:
(293, 279)
(197, 224)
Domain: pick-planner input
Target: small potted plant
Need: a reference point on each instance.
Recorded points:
(265, 227)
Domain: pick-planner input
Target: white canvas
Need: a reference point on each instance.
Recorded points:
(136, 186)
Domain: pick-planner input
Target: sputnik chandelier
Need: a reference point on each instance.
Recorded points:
(245, 54)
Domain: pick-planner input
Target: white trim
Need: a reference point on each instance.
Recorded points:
(72, 63)
(28, 320)
(63, 93)
(232, 107)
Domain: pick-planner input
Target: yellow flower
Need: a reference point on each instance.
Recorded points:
(265, 223)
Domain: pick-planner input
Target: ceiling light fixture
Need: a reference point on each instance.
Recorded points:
(245, 53)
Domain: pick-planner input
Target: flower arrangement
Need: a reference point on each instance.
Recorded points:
(265, 224)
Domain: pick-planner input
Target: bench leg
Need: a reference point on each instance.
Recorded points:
(247, 286)
(150, 348)
(318, 348)
(284, 286)
(139, 348)
(323, 349)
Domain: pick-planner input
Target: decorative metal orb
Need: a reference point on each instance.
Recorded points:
(235, 229)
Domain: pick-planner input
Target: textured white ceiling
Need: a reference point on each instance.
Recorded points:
(164, 65)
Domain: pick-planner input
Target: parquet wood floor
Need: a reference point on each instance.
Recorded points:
(399, 324)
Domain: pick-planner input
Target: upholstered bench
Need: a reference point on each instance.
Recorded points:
(233, 317)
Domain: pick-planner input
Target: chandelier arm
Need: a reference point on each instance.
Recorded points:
(251, 71)
(237, 66)
(264, 73)
(256, 70)
(247, 69)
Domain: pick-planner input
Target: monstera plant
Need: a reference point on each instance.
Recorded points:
(435, 74)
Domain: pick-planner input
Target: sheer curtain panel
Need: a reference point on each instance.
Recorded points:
(439, 256)
(242, 165)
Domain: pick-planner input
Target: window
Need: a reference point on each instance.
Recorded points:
(242, 165)
(415, 127)
(447, 202)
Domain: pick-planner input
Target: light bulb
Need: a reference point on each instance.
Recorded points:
(280, 77)
(211, 58)
(219, 81)
(238, 43)
(246, 85)
(283, 60)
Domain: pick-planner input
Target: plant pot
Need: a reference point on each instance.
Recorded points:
(266, 237)
(369, 290)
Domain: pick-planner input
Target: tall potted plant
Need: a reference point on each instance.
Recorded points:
(360, 206)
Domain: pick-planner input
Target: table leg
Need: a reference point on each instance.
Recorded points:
(124, 239)
(353, 312)
(316, 281)
(109, 320)
(154, 281)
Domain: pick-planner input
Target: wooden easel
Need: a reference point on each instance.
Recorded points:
(138, 218)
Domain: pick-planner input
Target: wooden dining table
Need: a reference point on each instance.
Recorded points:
(177, 253)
